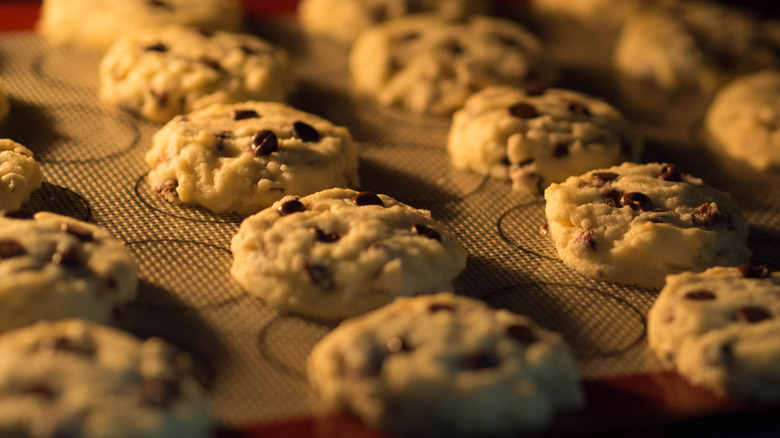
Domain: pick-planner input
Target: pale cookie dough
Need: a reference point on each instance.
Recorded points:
(609, 13)
(19, 174)
(54, 267)
(446, 365)
(244, 157)
(340, 253)
(721, 329)
(635, 224)
(428, 64)
(78, 379)
(692, 44)
(160, 73)
(744, 119)
(346, 19)
(538, 138)
(98, 24)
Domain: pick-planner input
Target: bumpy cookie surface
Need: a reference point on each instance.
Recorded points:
(446, 365)
(431, 65)
(160, 73)
(721, 328)
(346, 19)
(83, 380)
(536, 139)
(635, 224)
(97, 24)
(54, 267)
(339, 253)
(244, 157)
(744, 118)
(19, 174)
(693, 43)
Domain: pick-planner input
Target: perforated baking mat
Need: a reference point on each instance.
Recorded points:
(250, 356)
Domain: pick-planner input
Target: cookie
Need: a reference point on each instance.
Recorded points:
(608, 13)
(345, 19)
(634, 224)
(430, 65)
(538, 138)
(446, 365)
(55, 267)
(721, 329)
(744, 119)
(79, 379)
(19, 175)
(160, 73)
(244, 157)
(692, 44)
(339, 253)
(98, 24)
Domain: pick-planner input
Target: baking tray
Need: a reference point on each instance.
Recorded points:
(250, 357)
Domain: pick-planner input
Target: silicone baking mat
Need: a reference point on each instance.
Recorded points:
(251, 357)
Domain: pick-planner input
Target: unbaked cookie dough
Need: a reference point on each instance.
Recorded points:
(79, 379)
(696, 44)
(20, 175)
(538, 138)
(721, 329)
(339, 253)
(160, 73)
(428, 64)
(635, 224)
(346, 19)
(244, 157)
(97, 24)
(744, 119)
(446, 365)
(55, 267)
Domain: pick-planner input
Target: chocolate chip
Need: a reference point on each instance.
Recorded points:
(81, 233)
(669, 172)
(707, 215)
(38, 389)
(368, 198)
(264, 142)
(203, 32)
(700, 295)
(397, 345)
(525, 162)
(158, 392)
(167, 190)
(612, 198)
(244, 114)
(159, 4)
(454, 47)
(322, 236)
(60, 344)
(19, 214)
(160, 97)
(319, 274)
(305, 132)
(290, 207)
(222, 139)
(440, 307)
(10, 248)
(521, 333)
(523, 111)
(588, 237)
(754, 271)
(603, 177)
(480, 361)
(752, 314)
(426, 231)
(577, 108)
(158, 47)
(210, 63)
(637, 201)
(67, 255)
(407, 37)
(561, 150)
